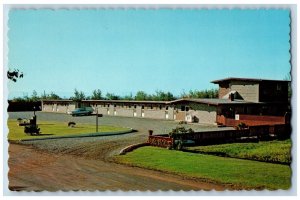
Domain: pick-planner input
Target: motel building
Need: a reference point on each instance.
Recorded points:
(239, 98)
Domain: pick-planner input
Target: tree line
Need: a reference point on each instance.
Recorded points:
(139, 96)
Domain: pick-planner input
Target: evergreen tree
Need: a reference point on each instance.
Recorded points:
(97, 95)
(141, 95)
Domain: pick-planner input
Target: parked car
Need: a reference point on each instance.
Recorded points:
(81, 111)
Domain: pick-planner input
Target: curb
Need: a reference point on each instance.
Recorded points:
(133, 147)
(77, 136)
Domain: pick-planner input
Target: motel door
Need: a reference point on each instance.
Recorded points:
(180, 116)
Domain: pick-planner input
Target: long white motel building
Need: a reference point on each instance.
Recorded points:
(236, 96)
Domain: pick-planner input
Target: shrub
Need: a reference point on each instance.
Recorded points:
(180, 130)
(177, 133)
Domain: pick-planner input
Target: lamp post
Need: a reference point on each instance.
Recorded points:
(97, 115)
(34, 116)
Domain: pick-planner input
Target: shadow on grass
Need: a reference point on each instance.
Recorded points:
(43, 134)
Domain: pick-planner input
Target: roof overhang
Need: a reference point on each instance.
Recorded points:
(245, 79)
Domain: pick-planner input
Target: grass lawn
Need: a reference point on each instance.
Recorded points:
(242, 174)
(56, 129)
(271, 151)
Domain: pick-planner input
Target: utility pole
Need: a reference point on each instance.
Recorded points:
(97, 120)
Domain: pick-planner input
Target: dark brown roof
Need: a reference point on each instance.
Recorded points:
(245, 79)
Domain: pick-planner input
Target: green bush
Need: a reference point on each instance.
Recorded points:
(180, 130)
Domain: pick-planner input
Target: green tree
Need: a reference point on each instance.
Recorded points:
(212, 93)
(26, 97)
(112, 96)
(128, 97)
(53, 96)
(141, 95)
(78, 95)
(184, 94)
(34, 96)
(18, 99)
(163, 96)
(96, 95)
(44, 95)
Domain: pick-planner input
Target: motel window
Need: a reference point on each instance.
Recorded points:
(143, 106)
(134, 106)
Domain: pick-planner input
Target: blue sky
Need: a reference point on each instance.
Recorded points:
(124, 51)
